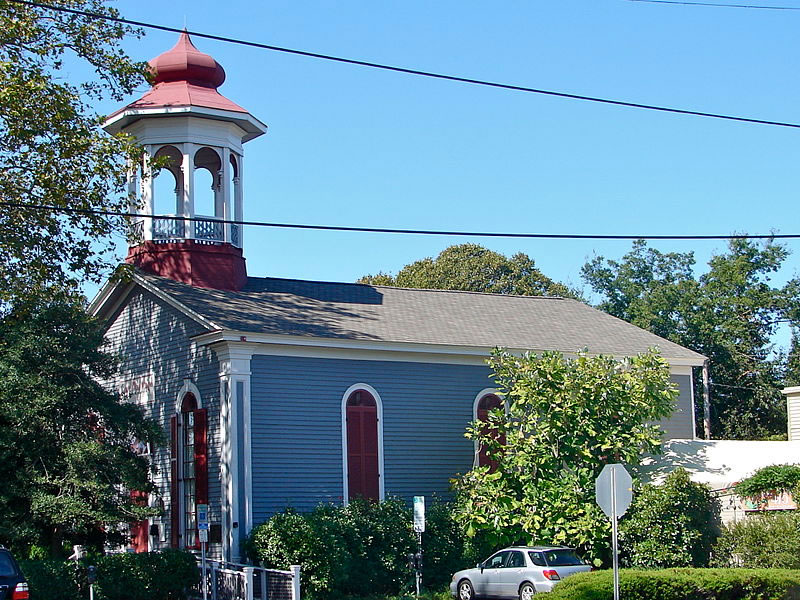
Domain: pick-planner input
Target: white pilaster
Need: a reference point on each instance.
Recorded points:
(236, 465)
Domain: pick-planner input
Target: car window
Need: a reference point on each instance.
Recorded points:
(6, 565)
(562, 558)
(515, 560)
(496, 561)
(537, 559)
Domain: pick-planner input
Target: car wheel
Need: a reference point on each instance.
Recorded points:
(526, 591)
(465, 590)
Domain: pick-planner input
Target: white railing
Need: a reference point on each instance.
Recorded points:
(168, 228)
(231, 581)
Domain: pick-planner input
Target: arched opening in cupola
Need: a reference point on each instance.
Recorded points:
(208, 166)
(167, 181)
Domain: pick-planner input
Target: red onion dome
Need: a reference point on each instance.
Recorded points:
(184, 62)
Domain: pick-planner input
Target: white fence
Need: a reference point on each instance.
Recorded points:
(231, 581)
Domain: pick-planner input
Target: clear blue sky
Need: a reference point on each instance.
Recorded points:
(354, 146)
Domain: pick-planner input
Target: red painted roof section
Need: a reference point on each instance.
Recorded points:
(184, 76)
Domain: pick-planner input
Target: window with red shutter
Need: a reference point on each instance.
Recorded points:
(189, 467)
(486, 404)
(363, 473)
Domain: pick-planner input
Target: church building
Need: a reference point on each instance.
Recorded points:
(277, 393)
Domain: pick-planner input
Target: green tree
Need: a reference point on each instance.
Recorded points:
(564, 420)
(52, 151)
(730, 314)
(66, 456)
(473, 268)
(670, 525)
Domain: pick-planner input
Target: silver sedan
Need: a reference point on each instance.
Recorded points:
(517, 572)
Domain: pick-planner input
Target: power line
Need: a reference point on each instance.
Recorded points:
(563, 236)
(718, 4)
(430, 74)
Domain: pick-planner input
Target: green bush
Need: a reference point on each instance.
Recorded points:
(361, 549)
(51, 579)
(766, 540)
(166, 575)
(670, 525)
(682, 584)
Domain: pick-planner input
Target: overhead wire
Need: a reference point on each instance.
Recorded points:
(409, 71)
(566, 236)
(718, 4)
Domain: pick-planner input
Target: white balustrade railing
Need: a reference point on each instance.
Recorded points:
(167, 228)
(232, 581)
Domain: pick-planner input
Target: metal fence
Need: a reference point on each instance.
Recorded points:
(232, 581)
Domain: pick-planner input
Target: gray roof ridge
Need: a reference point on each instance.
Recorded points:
(412, 289)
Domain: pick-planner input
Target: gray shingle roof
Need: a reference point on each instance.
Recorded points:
(385, 314)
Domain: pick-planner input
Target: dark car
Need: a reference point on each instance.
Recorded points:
(12, 582)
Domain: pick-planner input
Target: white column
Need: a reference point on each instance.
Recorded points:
(187, 167)
(148, 190)
(238, 208)
(225, 191)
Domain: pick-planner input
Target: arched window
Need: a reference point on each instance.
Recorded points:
(485, 402)
(363, 443)
(189, 470)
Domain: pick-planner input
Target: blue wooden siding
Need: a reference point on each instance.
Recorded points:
(681, 424)
(151, 336)
(297, 429)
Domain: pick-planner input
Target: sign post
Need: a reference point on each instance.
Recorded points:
(419, 528)
(614, 492)
(202, 534)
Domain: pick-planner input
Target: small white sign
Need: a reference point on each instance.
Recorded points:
(419, 514)
(203, 535)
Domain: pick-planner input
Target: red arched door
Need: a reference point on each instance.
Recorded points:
(485, 404)
(362, 446)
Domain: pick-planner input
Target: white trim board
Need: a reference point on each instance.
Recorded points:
(248, 347)
(259, 341)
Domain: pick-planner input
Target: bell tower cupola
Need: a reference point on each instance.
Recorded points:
(188, 188)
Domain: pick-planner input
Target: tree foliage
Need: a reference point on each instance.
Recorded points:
(730, 314)
(564, 420)
(52, 152)
(473, 268)
(66, 457)
(670, 525)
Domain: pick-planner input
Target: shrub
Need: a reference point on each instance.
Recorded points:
(766, 540)
(681, 584)
(165, 575)
(670, 525)
(770, 480)
(51, 579)
(361, 549)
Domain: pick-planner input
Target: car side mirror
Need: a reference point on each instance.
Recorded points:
(480, 566)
